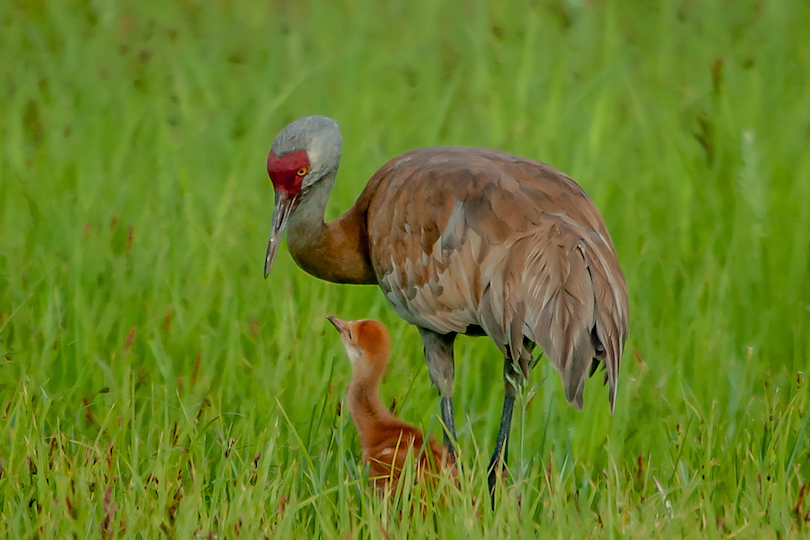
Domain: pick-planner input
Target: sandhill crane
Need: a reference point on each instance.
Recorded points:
(462, 241)
(384, 439)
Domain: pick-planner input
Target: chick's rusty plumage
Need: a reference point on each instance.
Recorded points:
(385, 440)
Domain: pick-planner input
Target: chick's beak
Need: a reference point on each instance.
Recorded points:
(285, 204)
(340, 325)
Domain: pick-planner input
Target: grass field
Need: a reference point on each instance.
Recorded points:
(153, 384)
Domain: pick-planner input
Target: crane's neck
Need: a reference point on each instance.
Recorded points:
(306, 222)
(367, 411)
(335, 251)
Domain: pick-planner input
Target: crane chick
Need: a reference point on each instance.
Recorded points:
(385, 439)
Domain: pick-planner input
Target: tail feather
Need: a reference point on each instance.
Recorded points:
(611, 318)
(574, 305)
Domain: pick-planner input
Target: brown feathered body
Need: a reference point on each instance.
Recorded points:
(385, 440)
(477, 241)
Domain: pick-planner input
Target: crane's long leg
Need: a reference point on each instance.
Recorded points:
(449, 420)
(497, 464)
(439, 358)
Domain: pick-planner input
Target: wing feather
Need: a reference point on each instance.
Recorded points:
(463, 237)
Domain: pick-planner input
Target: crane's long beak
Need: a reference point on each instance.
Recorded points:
(285, 204)
(340, 325)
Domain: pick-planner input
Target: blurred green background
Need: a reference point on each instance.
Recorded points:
(152, 384)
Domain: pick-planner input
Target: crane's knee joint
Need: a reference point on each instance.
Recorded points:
(442, 378)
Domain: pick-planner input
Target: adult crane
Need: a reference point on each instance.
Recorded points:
(462, 241)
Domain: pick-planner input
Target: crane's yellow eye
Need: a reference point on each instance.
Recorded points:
(302, 171)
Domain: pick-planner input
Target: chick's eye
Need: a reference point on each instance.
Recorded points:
(302, 171)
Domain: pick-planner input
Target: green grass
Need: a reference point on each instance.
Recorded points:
(153, 385)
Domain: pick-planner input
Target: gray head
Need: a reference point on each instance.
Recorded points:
(316, 138)
(303, 153)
